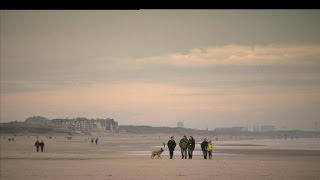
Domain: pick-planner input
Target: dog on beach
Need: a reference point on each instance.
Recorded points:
(156, 153)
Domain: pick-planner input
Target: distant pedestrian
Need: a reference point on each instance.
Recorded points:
(96, 140)
(210, 149)
(191, 146)
(204, 148)
(37, 145)
(184, 143)
(42, 145)
(92, 140)
(171, 146)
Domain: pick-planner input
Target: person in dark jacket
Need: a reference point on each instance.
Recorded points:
(184, 143)
(37, 145)
(191, 146)
(171, 145)
(41, 145)
(204, 148)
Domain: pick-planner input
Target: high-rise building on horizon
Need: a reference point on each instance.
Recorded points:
(180, 124)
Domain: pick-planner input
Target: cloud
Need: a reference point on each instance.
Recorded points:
(216, 66)
(230, 55)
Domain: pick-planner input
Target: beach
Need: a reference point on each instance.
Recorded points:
(127, 156)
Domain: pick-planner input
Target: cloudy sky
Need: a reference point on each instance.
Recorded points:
(207, 68)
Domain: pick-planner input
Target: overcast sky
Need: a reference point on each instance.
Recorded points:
(207, 68)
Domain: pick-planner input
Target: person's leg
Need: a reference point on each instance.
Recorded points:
(191, 153)
(171, 154)
(185, 153)
(182, 154)
(205, 154)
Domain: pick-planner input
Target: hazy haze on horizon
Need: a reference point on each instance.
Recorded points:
(207, 68)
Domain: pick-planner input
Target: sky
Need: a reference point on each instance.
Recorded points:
(207, 68)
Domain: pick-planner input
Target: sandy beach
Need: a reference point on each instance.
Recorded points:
(124, 156)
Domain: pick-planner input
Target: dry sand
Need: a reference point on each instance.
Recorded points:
(109, 159)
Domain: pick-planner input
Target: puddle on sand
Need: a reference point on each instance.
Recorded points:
(176, 153)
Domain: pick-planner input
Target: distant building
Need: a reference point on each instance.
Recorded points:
(267, 128)
(256, 128)
(65, 127)
(247, 128)
(106, 125)
(38, 120)
(232, 129)
(77, 124)
(85, 124)
(180, 124)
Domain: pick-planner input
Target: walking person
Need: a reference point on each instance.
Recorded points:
(96, 140)
(37, 145)
(204, 148)
(184, 143)
(41, 145)
(92, 140)
(171, 146)
(191, 146)
(210, 149)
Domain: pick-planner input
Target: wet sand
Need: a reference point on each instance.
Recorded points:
(79, 159)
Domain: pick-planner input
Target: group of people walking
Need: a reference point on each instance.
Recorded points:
(207, 148)
(38, 145)
(92, 139)
(187, 147)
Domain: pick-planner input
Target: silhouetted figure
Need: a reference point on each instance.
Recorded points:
(204, 148)
(184, 143)
(42, 145)
(37, 145)
(191, 146)
(171, 145)
(92, 140)
(96, 140)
